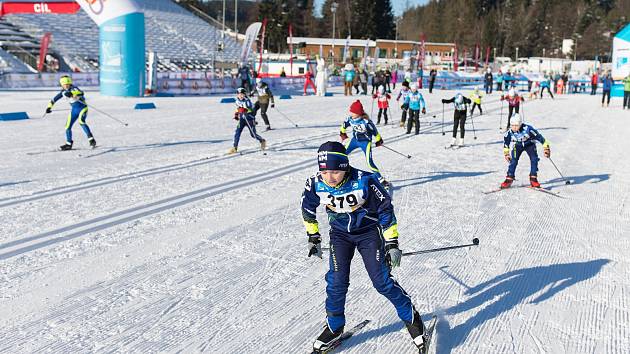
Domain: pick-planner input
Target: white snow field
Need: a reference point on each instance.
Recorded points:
(159, 242)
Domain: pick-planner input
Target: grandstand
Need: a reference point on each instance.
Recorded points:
(181, 40)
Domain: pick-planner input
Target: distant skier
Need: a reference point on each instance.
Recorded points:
(382, 98)
(78, 111)
(487, 81)
(475, 97)
(524, 139)
(245, 118)
(432, 77)
(361, 217)
(545, 84)
(607, 83)
(264, 96)
(459, 117)
(245, 76)
(514, 104)
(363, 130)
(416, 103)
(403, 93)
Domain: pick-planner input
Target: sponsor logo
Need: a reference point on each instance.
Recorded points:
(378, 193)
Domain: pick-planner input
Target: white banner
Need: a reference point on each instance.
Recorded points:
(620, 59)
(346, 49)
(101, 11)
(250, 37)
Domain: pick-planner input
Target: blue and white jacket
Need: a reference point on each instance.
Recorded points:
(363, 129)
(525, 136)
(415, 101)
(74, 95)
(358, 204)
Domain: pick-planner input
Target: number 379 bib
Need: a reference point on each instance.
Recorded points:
(343, 203)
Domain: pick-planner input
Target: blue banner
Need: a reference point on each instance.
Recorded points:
(122, 61)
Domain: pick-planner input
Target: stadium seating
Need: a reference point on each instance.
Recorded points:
(181, 40)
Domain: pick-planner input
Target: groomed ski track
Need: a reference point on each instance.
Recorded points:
(159, 242)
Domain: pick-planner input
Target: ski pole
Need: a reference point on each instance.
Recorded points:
(443, 133)
(475, 242)
(398, 152)
(286, 117)
(566, 181)
(108, 115)
(473, 125)
(501, 115)
(372, 109)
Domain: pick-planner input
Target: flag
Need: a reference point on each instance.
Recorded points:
(290, 50)
(250, 37)
(43, 50)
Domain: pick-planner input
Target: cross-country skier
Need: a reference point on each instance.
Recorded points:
(78, 110)
(245, 118)
(524, 138)
(415, 102)
(382, 98)
(475, 97)
(363, 129)
(545, 84)
(264, 96)
(361, 218)
(459, 116)
(514, 104)
(403, 93)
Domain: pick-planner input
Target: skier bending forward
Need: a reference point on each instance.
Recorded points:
(361, 218)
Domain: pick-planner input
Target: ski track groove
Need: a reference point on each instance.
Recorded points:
(165, 305)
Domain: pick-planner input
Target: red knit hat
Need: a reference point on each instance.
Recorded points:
(357, 108)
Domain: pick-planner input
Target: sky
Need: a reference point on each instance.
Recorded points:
(398, 5)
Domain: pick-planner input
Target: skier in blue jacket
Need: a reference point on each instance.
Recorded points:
(78, 111)
(361, 218)
(415, 102)
(523, 137)
(363, 130)
(246, 118)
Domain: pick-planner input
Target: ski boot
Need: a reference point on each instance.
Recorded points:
(402, 124)
(507, 183)
(454, 142)
(416, 330)
(326, 339)
(263, 144)
(92, 142)
(232, 150)
(533, 181)
(67, 146)
(268, 128)
(461, 142)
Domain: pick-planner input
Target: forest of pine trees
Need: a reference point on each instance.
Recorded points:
(530, 25)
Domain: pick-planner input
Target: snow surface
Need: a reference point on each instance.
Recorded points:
(159, 242)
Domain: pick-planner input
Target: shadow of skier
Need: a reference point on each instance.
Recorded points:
(508, 290)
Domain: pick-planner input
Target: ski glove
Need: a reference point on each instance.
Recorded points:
(67, 94)
(506, 154)
(424, 111)
(48, 110)
(273, 105)
(379, 143)
(343, 136)
(392, 253)
(547, 152)
(235, 115)
(315, 245)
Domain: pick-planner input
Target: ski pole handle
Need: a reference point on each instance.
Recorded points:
(475, 242)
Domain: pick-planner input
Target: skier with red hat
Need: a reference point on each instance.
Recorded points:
(363, 130)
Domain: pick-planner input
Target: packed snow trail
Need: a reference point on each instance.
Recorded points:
(157, 242)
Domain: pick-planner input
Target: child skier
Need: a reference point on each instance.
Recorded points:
(361, 218)
(383, 103)
(475, 97)
(403, 93)
(415, 102)
(243, 115)
(514, 104)
(78, 111)
(524, 138)
(459, 117)
(363, 129)
(264, 96)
